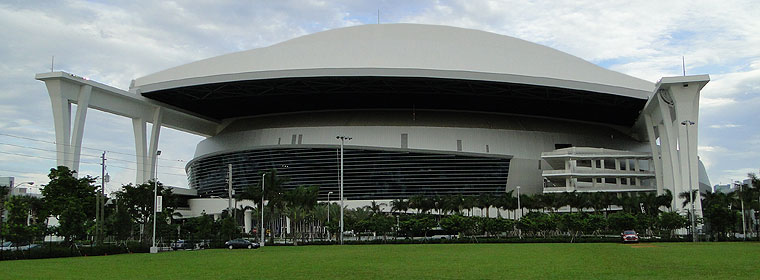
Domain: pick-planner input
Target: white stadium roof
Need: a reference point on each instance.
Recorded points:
(404, 50)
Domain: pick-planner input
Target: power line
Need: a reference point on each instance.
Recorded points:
(96, 156)
(83, 147)
(84, 162)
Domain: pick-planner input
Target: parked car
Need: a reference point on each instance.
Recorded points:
(630, 236)
(182, 245)
(6, 246)
(10, 246)
(241, 243)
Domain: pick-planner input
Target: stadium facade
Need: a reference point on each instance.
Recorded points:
(431, 110)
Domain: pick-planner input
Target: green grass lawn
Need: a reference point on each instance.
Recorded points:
(434, 261)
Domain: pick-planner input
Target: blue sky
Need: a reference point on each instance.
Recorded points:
(113, 42)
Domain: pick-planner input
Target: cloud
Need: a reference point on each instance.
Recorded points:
(114, 42)
(728, 125)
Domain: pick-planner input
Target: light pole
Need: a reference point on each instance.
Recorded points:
(329, 238)
(263, 241)
(342, 139)
(518, 202)
(154, 249)
(688, 123)
(19, 184)
(744, 222)
(519, 231)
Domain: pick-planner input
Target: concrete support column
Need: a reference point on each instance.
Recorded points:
(141, 150)
(75, 148)
(247, 220)
(68, 144)
(146, 159)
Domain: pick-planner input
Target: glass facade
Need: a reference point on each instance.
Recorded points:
(368, 173)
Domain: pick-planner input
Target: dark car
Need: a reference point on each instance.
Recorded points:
(241, 243)
(630, 236)
(182, 245)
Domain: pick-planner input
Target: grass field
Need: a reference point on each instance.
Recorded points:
(434, 261)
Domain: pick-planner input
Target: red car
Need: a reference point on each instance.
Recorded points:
(630, 236)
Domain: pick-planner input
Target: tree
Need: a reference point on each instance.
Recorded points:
(621, 221)
(72, 200)
(399, 205)
(298, 202)
(137, 201)
(25, 220)
(671, 221)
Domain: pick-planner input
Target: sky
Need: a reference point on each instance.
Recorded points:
(113, 42)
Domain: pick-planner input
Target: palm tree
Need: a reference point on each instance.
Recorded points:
(399, 205)
(686, 197)
(417, 202)
(469, 202)
(375, 208)
(273, 193)
(665, 200)
(598, 201)
(485, 201)
(298, 203)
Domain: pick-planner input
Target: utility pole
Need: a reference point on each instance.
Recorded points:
(154, 249)
(99, 202)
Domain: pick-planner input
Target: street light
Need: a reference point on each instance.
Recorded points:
(744, 222)
(329, 238)
(688, 123)
(519, 231)
(19, 184)
(342, 139)
(154, 249)
(263, 241)
(518, 201)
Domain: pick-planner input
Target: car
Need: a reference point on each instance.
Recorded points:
(630, 236)
(241, 243)
(182, 245)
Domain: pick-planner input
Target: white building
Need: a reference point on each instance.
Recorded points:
(431, 109)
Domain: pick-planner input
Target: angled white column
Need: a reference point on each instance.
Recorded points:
(141, 149)
(656, 153)
(62, 123)
(155, 132)
(676, 99)
(75, 148)
(68, 144)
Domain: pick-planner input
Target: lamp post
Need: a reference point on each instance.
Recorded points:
(154, 249)
(329, 238)
(19, 184)
(518, 202)
(688, 123)
(744, 222)
(342, 139)
(519, 231)
(263, 241)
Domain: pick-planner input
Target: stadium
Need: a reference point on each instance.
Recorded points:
(430, 110)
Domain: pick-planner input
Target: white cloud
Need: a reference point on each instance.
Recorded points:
(728, 125)
(115, 41)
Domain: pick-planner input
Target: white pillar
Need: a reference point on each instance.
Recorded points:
(141, 150)
(75, 149)
(68, 148)
(155, 132)
(247, 220)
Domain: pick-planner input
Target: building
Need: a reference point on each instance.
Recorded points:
(430, 109)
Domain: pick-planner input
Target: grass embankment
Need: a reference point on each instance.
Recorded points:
(432, 261)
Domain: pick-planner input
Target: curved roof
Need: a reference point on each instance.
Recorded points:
(403, 50)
